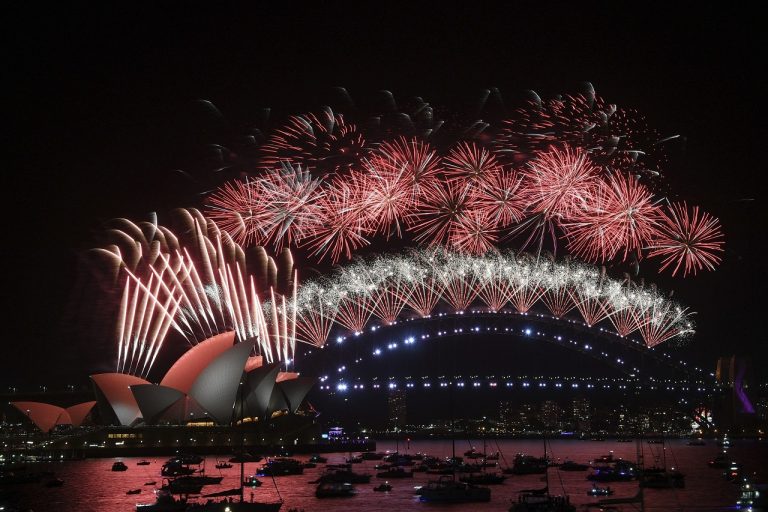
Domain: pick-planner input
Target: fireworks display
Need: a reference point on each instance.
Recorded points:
(427, 281)
(199, 284)
(574, 174)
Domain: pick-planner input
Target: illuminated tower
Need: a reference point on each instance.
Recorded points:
(397, 409)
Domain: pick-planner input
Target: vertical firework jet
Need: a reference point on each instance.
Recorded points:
(200, 287)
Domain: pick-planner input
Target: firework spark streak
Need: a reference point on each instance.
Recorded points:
(439, 280)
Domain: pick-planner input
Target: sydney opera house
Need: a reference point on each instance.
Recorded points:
(214, 385)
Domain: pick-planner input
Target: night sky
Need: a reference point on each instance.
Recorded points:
(100, 113)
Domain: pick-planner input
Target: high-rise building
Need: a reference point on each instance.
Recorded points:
(397, 409)
(582, 415)
(507, 415)
(550, 414)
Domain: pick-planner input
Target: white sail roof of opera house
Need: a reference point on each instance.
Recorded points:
(115, 390)
(46, 416)
(203, 384)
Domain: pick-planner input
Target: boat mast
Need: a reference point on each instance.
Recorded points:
(546, 462)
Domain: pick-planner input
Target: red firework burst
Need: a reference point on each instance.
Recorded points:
(471, 164)
(416, 160)
(324, 142)
(688, 238)
(619, 216)
(388, 196)
(558, 182)
(343, 222)
(236, 208)
(474, 233)
(500, 200)
(289, 209)
(440, 211)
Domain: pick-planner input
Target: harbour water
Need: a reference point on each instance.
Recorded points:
(90, 485)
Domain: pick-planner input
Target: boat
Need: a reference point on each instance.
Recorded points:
(655, 441)
(119, 466)
(696, 442)
(178, 486)
(281, 466)
(335, 490)
(133, 491)
(385, 487)
(619, 472)
(252, 481)
(448, 490)
(199, 480)
(143, 463)
(317, 459)
(604, 458)
(186, 459)
(309, 465)
(395, 473)
(752, 496)
(223, 465)
(539, 500)
(343, 475)
(151, 482)
(600, 491)
(662, 479)
(569, 465)
(528, 465)
(483, 479)
(173, 469)
(472, 453)
(493, 456)
(624, 440)
(55, 482)
(164, 502)
(354, 460)
(245, 457)
(372, 455)
(724, 442)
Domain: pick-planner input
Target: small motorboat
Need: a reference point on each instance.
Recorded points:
(569, 465)
(119, 466)
(354, 460)
(151, 482)
(164, 502)
(55, 482)
(309, 465)
(385, 487)
(317, 459)
(599, 491)
(134, 491)
(605, 458)
(251, 481)
(395, 473)
(143, 463)
(335, 490)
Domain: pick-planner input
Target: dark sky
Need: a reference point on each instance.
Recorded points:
(98, 112)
